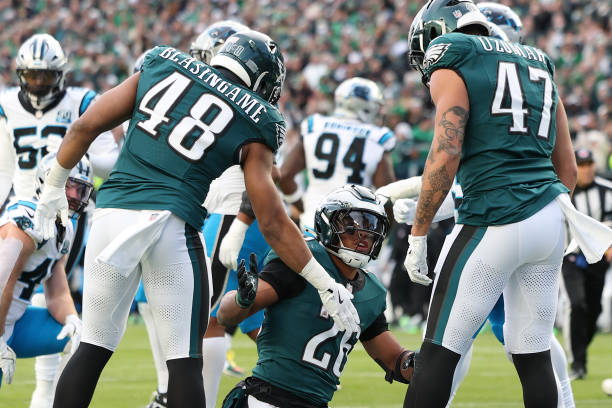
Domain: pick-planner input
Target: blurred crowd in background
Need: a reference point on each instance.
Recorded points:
(325, 42)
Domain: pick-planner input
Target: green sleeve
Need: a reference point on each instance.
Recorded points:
(447, 51)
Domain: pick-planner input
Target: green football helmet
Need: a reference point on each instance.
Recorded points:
(256, 59)
(351, 209)
(439, 17)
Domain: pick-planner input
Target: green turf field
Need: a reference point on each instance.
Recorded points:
(129, 379)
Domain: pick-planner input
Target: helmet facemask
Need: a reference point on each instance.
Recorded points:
(41, 68)
(351, 223)
(78, 192)
(358, 98)
(79, 186)
(358, 236)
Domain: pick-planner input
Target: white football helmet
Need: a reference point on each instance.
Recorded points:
(210, 41)
(79, 185)
(503, 17)
(358, 98)
(41, 69)
(352, 209)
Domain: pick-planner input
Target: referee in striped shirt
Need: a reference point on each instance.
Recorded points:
(583, 282)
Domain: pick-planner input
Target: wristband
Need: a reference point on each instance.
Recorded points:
(57, 175)
(316, 275)
(293, 197)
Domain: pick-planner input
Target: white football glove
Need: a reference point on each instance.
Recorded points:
(72, 328)
(231, 244)
(7, 361)
(404, 210)
(335, 297)
(416, 260)
(52, 203)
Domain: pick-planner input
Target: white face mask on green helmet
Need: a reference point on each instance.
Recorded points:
(357, 214)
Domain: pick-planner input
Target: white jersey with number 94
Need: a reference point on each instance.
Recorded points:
(339, 151)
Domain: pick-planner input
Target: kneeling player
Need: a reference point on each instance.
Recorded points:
(27, 260)
(302, 353)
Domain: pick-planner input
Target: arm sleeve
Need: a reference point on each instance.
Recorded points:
(377, 327)
(245, 205)
(285, 282)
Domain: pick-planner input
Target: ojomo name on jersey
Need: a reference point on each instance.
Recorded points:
(247, 102)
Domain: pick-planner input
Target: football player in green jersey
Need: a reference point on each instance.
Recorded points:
(501, 129)
(189, 121)
(302, 352)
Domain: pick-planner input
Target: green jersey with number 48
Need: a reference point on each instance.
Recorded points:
(300, 348)
(505, 171)
(188, 125)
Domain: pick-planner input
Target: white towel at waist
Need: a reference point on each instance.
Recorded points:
(593, 237)
(127, 249)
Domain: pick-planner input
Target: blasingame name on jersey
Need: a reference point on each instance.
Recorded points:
(239, 96)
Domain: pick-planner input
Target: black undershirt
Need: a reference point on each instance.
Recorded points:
(288, 284)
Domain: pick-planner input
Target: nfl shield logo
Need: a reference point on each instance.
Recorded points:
(64, 116)
(457, 13)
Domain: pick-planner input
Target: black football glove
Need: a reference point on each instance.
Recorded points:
(247, 283)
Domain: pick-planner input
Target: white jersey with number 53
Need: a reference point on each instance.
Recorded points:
(339, 151)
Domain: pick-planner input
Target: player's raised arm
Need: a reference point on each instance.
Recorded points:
(286, 239)
(109, 111)
(112, 109)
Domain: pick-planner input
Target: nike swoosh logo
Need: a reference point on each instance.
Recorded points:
(31, 214)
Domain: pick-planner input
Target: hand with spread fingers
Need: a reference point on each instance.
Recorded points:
(247, 282)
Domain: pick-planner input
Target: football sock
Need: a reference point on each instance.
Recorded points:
(537, 378)
(214, 350)
(559, 362)
(45, 369)
(460, 372)
(158, 355)
(433, 377)
(78, 381)
(185, 388)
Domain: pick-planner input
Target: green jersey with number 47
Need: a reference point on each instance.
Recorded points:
(300, 348)
(188, 125)
(505, 171)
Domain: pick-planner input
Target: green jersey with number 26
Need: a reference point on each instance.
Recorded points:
(505, 172)
(188, 125)
(299, 346)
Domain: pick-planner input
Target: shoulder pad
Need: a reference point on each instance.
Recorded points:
(153, 54)
(21, 213)
(447, 51)
(307, 125)
(273, 129)
(86, 100)
(385, 137)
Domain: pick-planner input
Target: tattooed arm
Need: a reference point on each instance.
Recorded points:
(450, 97)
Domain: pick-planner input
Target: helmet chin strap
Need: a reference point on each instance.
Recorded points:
(351, 258)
